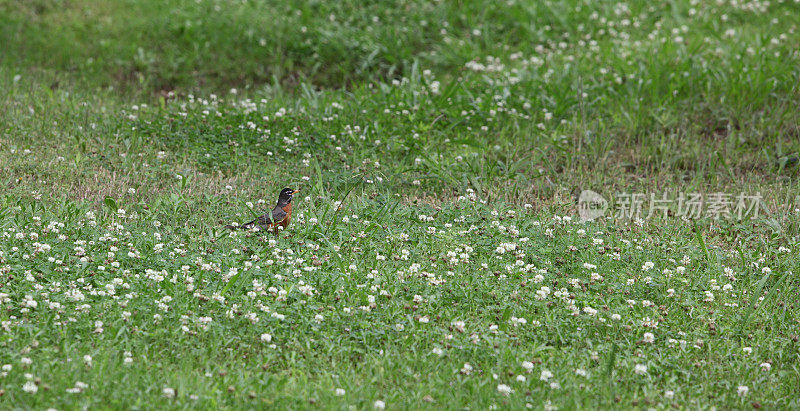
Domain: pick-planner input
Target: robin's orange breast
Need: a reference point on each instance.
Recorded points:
(285, 222)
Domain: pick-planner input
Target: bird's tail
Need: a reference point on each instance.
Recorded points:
(244, 226)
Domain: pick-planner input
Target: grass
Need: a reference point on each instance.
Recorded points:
(436, 258)
(373, 279)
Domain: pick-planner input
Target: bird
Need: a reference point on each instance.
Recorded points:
(280, 216)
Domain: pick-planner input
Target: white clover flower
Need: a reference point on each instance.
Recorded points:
(527, 365)
(640, 369)
(30, 387)
(379, 405)
(459, 325)
(340, 392)
(504, 389)
(742, 390)
(546, 375)
(542, 293)
(168, 392)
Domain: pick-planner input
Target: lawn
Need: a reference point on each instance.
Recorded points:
(437, 257)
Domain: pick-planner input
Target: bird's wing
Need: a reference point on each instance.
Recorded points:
(278, 214)
(261, 221)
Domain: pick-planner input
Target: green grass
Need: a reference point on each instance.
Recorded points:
(388, 254)
(446, 130)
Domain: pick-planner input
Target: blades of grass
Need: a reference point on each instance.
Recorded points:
(384, 214)
(448, 92)
(741, 256)
(111, 204)
(754, 299)
(725, 166)
(336, 211)
(475, 183)
(253, 212)
(231, 282)
(318, 183)
(468, 141)
(611, 358)
(239, 284)
(700, 240)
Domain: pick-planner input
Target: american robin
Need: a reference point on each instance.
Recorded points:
(279, 217)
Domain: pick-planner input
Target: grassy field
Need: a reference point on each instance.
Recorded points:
(437, 257)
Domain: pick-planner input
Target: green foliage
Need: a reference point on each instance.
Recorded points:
(439, 146)
(386, 304)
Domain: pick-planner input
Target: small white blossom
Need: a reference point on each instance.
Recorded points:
(504, 389)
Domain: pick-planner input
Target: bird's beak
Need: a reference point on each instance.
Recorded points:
(295, 191)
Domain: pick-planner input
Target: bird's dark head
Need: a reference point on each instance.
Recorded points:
(286, 195)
